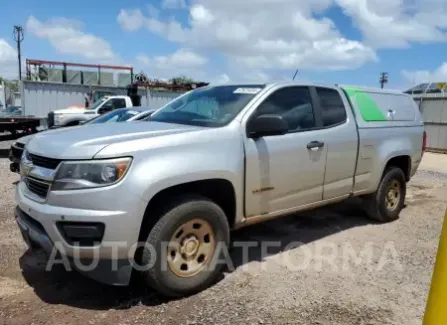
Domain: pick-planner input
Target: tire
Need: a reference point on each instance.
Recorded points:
(165, 277)
(377, 204)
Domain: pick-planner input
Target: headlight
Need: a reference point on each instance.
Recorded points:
(90, 174)
(58, 118)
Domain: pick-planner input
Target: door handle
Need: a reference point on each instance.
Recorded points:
(315, 145)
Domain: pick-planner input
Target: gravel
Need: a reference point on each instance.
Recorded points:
(379, 273)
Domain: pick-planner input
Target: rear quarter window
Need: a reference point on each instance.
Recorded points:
(333, 110)
(380, 107)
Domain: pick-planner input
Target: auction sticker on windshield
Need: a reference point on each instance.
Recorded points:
(250, 91)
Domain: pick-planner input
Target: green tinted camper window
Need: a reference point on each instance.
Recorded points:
(367, 107)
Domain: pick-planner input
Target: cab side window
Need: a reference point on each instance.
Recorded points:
(333, 110)
(119, 103)
(293, 104)
(106, 107)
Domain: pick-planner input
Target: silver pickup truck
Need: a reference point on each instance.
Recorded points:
(163, 195)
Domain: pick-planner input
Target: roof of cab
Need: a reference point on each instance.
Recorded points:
(308, 83)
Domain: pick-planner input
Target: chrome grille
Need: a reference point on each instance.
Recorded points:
(37, 187)
(45, 162)
(50, 119)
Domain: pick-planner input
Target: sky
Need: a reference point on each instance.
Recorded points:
(219, 41)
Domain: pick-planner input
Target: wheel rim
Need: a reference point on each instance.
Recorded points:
(393, 195)
(191, 248)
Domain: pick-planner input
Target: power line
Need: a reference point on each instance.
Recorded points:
(383, 79)
(18, 37)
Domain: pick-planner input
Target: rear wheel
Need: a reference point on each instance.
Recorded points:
(182, 247)
(386, 204)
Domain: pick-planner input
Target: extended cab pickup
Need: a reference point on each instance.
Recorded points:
(165, 193)
(75, 115)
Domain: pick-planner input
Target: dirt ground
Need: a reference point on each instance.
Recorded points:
(389, 288)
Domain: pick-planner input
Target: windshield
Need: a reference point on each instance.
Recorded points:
(210, 106)
(96, 104)
(120, 115)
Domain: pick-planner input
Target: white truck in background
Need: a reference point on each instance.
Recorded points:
(76, 115)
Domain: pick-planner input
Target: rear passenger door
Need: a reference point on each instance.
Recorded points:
(282, 173)
(341, 139)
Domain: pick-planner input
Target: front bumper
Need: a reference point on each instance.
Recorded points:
(15, 160)
(113, 272)
(15, 154)
(32, 232)
(40, 224)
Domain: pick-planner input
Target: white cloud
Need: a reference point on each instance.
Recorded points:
(201, 16)
(182, 62)
(257, 36)
(67, 37)
(421, 76)
(398, 23)
(8, 60)
(220, 80)
(152, 10)
(261, 34)
(131, 20)
(7, 52)
(173, 4)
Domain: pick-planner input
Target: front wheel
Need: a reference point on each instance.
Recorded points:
(184, 246)
(386, 203)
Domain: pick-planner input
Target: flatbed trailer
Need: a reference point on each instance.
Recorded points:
(17, 124)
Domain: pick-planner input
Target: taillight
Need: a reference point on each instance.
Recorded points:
(424, 142)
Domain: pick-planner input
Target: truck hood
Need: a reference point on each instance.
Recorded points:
(24, 140)
(70, 110)
(83, 142)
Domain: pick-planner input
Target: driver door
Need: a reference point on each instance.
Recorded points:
(106, 107)
(282, 173)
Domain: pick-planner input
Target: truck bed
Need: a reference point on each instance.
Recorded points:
(19, 123)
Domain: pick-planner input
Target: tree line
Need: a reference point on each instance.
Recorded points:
(12, 84)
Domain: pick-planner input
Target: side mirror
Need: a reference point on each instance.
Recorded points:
(268, 124)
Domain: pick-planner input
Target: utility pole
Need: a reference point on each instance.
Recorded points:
(383, 79)
(18, 37)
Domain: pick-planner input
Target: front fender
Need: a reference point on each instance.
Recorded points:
(160, 167)
(72, 119)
